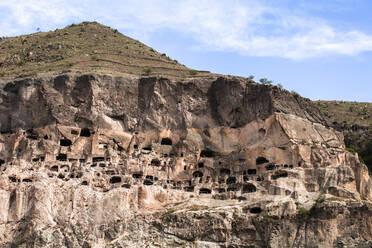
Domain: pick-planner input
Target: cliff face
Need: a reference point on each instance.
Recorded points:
(128, 104)
(102, 161)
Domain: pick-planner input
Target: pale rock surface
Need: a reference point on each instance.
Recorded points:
(102, 161)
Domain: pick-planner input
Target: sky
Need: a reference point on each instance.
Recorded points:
(321, 49)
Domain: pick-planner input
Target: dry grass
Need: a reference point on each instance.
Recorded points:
(88, 46)
(347, 112)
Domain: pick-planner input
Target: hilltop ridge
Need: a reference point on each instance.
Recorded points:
(84, 48)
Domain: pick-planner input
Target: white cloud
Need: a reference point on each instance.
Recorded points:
(253, 28)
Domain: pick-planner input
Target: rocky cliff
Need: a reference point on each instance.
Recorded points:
(96, 160)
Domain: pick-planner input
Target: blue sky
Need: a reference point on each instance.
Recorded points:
(320, 48)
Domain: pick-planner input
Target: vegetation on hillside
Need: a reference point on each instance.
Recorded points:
(85, 47)
(349, 114)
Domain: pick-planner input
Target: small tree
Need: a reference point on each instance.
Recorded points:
(265, 81)
(295, 94)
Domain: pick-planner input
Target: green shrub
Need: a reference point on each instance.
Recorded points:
(20, 62)
(265, 81)
(171, 210)
(321, 199)
(2, 74)
(94, 57)
(251, 77)
(295, 94)
(147, 71)
(269, 219)
(304, 214)
(351, 149)
(193, 72)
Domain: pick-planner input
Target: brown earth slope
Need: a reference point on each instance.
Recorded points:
(354, 119)
(85, 47)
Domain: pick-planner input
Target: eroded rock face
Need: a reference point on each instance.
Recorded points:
(97, 161)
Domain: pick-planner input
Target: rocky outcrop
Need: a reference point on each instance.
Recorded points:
(102, 161)
(129, 104)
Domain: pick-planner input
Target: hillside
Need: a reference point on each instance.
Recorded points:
(106, 143)
(354, 119)
(343, 112)
(86, 47)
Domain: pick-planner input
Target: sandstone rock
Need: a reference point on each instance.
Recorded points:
(102, 161)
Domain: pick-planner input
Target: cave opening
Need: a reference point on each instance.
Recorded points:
(147, 148)
(115, 179)
(65, 142)
(98, 159)
(189, 189)
(221, 190)
(61, 157)
(207, 154)
(13, 179)
(148, 182)
(205, 191)
(137, 175)
(279, 174)
(197, 174)
(252, 171)
(270, 167)
(155, 162)
(261, 160)
(232, 189)
(166, 141)
(260, 179)
(85, 132)
(31, 134)
(262, 132)
(126, 185)
(231, 180)
(255, 210)
(224, 172)
(74, 132)
(249, 188)
(200, 165)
